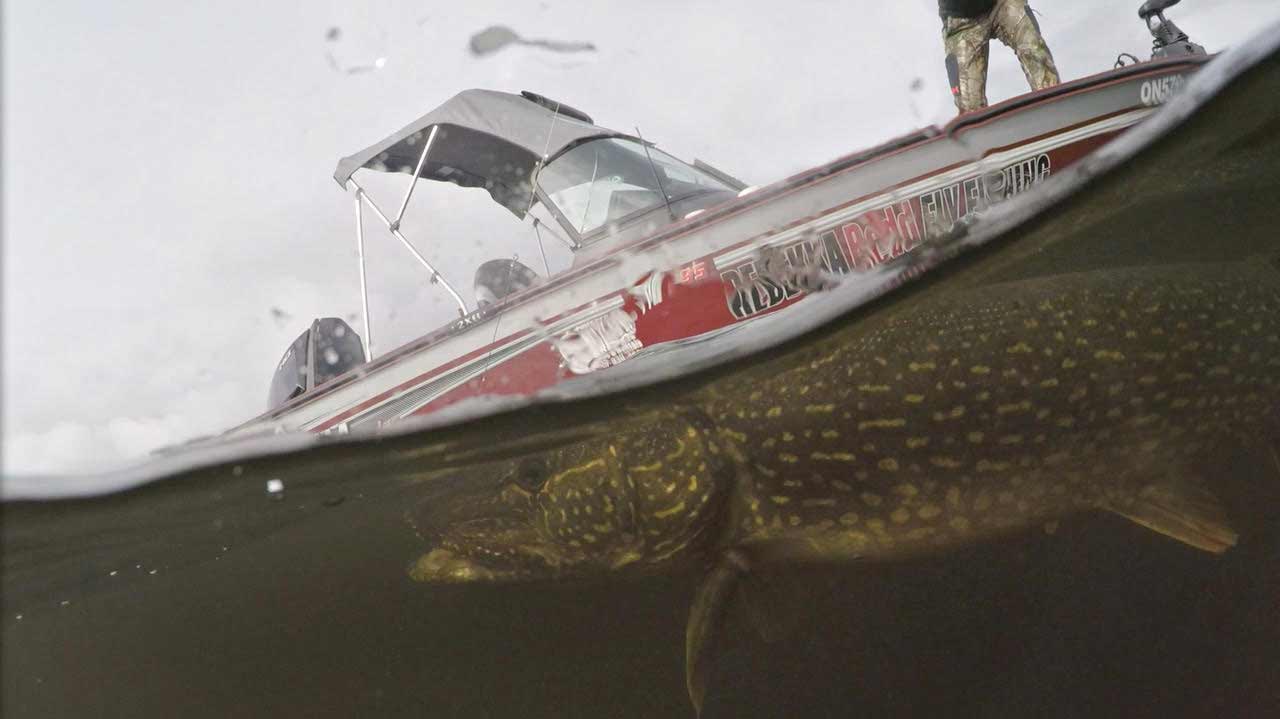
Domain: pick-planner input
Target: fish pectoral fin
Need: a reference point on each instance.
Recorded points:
(707, 617)
(1183, 511)
(764, 607)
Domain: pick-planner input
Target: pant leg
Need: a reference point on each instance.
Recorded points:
(1016, 26)
(967, 41)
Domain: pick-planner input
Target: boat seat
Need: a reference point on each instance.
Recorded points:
(497, 279)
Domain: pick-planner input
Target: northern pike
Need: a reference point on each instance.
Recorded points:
(912, 430)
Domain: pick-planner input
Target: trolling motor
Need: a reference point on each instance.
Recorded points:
(1170, 41)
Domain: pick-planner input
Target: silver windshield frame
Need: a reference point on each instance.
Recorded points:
(578, 239)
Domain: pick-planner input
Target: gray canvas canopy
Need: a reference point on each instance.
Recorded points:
(485, 139)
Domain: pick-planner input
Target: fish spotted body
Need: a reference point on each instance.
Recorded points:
(916, 428)
(931, 426)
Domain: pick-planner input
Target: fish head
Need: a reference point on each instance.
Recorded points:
(630, 494)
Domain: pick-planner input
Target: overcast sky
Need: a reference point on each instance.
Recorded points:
(170, 223)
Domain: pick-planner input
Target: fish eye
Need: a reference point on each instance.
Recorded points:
(531, 474)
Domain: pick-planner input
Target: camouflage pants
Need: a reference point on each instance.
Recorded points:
(968, 45)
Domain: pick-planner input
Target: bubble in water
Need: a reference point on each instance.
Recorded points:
(916, 88)
(492, 39)
(497, 37)
(280, 317)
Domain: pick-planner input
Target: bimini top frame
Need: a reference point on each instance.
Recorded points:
(478, 138)
(482, 138)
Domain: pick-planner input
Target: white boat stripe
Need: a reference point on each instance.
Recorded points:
(478, 365)
(944, 179)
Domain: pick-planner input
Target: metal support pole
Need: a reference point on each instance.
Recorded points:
(364, 290)
(662, 190)
(545, 265)
(417, 172)
(574, 246)
(435, 276)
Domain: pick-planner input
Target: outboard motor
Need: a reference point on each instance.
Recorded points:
(329, 348)
(1170, 41)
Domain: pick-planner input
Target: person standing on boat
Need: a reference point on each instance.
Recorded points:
(967, 29)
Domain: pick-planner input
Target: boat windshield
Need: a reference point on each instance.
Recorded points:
(605, 181)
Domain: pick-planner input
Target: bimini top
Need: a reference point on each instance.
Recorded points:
(485, 139)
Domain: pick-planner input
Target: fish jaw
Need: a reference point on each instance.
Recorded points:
(445, 566)
(644, 495)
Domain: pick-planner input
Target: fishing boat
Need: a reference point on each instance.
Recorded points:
(662, 252)
(301, 574)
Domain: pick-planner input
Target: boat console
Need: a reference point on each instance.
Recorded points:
(586, 187)
(498, 279)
